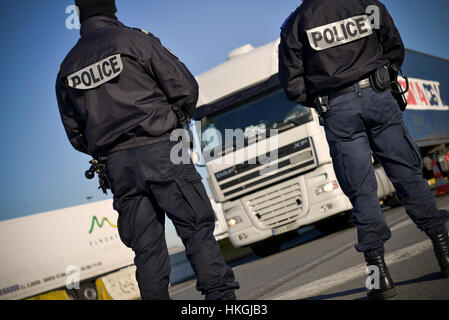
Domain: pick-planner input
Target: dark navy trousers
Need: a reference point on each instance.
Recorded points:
(363, 121)
(147, 186)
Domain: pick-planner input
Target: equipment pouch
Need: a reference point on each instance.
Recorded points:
(380, 80)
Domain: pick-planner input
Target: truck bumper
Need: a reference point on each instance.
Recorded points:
(316, 207)
(317, 212)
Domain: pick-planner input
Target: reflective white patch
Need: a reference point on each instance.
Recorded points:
(341, 32)
(169, 51)
(145, 31)
(95, 75)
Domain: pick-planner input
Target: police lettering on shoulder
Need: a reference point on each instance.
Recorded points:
(339, 33)
(341, 57)
(96, 74)
(121, 94)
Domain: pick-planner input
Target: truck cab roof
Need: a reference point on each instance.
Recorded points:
(239, 72)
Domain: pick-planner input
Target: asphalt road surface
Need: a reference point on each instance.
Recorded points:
(318, 266)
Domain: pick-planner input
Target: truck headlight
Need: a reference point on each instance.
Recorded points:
(234, 221)
(328, 187)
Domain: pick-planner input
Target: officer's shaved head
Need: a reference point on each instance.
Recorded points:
(90, 8)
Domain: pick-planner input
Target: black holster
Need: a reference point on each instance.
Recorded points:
(396, 89)
(98, 166)
(380, 79)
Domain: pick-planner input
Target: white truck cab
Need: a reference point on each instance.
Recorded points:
(281, 176)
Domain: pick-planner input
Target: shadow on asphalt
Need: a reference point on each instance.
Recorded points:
(304, 238)
(301, 239)
(337, 294)
(429, 277)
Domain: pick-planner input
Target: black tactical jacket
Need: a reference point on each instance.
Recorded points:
(330, 44)
(117, 86)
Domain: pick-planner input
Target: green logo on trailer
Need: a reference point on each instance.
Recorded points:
(100, 224)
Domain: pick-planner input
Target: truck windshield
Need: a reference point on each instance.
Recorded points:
(272, 111)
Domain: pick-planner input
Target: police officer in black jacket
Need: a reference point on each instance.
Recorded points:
(116, 92)
(336, 56)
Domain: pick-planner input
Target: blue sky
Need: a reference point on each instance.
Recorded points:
(39, 169)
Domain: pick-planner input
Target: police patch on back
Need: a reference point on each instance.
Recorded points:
(340, 32)
(96, 74)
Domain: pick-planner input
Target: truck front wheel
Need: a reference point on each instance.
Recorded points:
(266, 248)
(336, 223)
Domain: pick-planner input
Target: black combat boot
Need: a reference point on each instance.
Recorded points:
(441, 248)
(386, 288)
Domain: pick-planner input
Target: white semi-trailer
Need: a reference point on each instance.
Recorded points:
(75, 253)
(48, 251)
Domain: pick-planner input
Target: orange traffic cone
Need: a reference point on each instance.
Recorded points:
(442, 184)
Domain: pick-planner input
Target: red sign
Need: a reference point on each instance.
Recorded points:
(424, 95)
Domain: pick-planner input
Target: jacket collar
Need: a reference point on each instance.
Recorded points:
(98, 22)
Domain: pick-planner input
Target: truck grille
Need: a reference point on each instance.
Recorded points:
(278, 207)
(244, 178)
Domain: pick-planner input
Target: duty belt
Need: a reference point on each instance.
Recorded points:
(322, 101)
(334, 93)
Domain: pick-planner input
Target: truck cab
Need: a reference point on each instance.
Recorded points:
(267, 158)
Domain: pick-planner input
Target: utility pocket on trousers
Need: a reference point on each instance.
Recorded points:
(192, 188)
(415, 154)
(125, 229)
(341, 172)
(190, 173)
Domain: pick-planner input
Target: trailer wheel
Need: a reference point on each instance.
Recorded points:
(266, 248)
(72, 294)
(393, 201)
(88, 291)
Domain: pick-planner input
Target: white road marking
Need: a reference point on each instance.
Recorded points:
(402, 224)
(324, 284)
(183, 289)
(360, 269)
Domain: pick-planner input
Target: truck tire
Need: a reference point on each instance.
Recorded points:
(266, 248)
(72, 294)
(88, 291)
(335, 223)
(393, 201)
